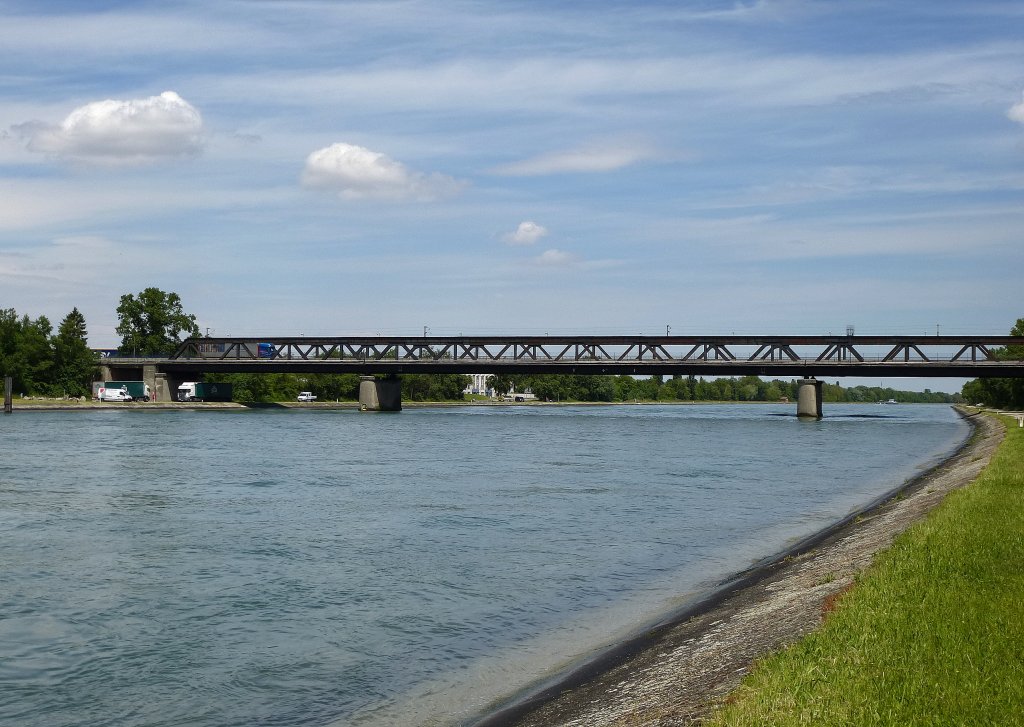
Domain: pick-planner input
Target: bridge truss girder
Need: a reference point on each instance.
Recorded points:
(958, 356)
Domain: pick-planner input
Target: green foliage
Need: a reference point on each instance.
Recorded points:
(40, 363)
(333, 387)
(26, 352)
(434, 387)
(74, 362)
(560, 387)
(501, 383)
(1002, 393)
(153, 323)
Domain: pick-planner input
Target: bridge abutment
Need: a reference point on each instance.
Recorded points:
(380, 394)
(808, 400)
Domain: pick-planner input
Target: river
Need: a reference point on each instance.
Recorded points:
(331, 567)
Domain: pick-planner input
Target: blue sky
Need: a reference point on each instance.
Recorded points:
(320, 168)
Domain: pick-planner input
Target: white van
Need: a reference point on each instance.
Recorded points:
(115, 395)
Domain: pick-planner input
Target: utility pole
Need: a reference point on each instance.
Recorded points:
(8, 401)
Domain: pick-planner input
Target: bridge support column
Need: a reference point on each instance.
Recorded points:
(149, 375)
(162, 389)
(808, 400)
(380, 394)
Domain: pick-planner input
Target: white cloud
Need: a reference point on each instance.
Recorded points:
(528, 233)
(1016, 112)
(122, 132)
(555, 258)
(356, 172)
(596, 158)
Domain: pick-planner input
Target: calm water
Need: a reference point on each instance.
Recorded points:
(337, 568)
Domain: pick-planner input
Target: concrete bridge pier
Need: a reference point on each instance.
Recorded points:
(380, 394)
(808, 400)
(149, 375)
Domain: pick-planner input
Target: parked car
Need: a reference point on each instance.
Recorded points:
(306, 396)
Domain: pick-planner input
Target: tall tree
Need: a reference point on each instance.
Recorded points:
(153, 322)
(26, 353)
(74, 362)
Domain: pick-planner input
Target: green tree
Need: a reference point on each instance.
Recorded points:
(9, 335)
(26, 352)
(434, 387)
(74, 362)
(333, 386)
(153, 323)
(1005, 393)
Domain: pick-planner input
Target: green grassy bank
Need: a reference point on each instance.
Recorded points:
(931, 634)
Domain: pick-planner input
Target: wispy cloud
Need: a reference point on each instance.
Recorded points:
(121, 132)
(355, 172)
(1016, 112)
(604, 157)
(555, 258)
(528, 233)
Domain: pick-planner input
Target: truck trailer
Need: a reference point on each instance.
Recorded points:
(204, 391)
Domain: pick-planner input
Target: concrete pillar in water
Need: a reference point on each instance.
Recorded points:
(380, 394)
(8, 399)
(808, 400)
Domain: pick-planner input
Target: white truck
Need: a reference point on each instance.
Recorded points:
(306, 396)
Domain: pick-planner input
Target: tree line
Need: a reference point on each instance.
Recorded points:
(1000, 393)
(558, 387)
(42, 362)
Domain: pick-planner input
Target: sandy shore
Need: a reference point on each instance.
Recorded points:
(677, 672)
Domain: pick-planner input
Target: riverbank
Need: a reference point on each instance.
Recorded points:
(680, 670)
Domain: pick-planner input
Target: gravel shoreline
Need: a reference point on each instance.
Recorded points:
(681, 669)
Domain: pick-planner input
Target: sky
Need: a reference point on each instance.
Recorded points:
(331, 168)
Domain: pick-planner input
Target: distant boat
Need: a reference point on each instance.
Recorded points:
(892, 401)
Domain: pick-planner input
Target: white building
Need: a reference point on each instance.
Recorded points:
(478, 385)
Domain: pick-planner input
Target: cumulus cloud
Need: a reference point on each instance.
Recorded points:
(1016, 112)
(555, 258)
(121, 132)
(604, 157)
(528, 233)
(355, 172)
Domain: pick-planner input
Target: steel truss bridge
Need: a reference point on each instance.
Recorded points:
(786, 356)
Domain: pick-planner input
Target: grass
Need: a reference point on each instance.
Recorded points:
(931, 634)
